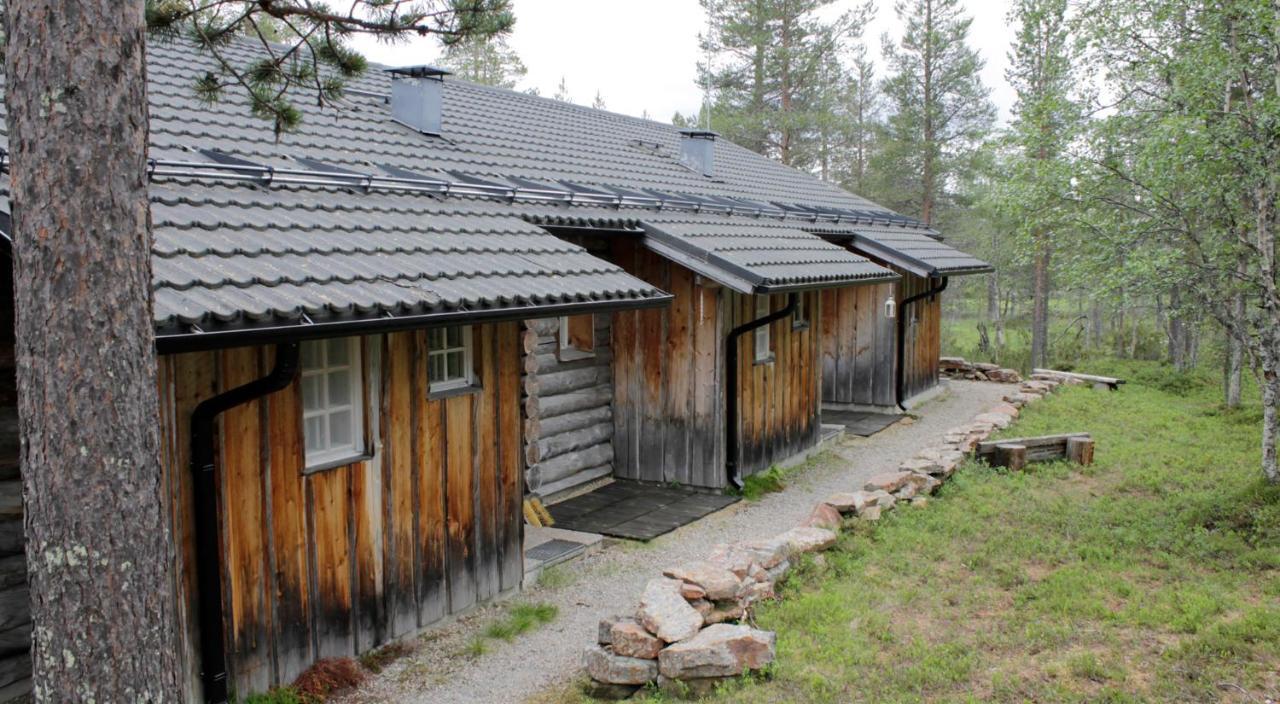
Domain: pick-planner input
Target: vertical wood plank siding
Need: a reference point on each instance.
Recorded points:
(858, 346)
(922, 341)
(337, 562)
(669, 381)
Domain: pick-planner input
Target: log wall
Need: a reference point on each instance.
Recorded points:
(568, 405)
(858, 343)
(339, 561)
(15, 606)
(669, 378)
(922, 341)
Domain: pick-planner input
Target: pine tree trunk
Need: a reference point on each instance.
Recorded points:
(99, 552)
(1040, 307)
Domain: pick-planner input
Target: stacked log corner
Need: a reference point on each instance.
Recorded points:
(568, 408)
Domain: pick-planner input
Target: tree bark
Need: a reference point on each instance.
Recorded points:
(1270, 415)
(100, 555)
(1234, 381)
(1040, 305)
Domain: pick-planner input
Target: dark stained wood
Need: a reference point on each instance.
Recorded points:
(337, 562)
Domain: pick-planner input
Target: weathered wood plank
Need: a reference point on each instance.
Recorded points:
(485, 470)
(459, 503)
(400, 463)
(511, 522)
(706, 425)
(678, 367)
(432, 531)
(331, 568)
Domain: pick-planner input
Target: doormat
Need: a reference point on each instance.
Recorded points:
(860, 423)
(636, 511)
(554, 550)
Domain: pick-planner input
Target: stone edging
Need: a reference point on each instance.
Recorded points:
(690, 631)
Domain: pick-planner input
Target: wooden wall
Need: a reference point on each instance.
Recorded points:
(922, 341)
(15, 605)
(780, 403)
(669, 378)
(568, 407)
(858, 344)
(339, 561)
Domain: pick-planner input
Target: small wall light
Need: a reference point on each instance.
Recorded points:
(890, 308)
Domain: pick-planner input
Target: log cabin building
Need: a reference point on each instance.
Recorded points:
(379, 331)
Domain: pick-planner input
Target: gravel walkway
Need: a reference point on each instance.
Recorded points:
(442, 670)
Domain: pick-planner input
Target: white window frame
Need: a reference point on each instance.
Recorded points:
(468, 378)
(763, 352)
(800, 319)
(332, 455)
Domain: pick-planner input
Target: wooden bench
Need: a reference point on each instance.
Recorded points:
(1015, 453)
(1109, 382)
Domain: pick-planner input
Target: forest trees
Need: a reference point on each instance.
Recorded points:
(484, 60)
(939, 109)
(99, 553)
(1034, 194)
(1185, 170)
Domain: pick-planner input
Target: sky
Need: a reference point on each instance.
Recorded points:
(641, 55)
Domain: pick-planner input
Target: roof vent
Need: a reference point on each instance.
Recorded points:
(417, 93)
(697, 151)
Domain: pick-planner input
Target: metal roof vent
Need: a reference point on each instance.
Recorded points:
(417, 94)
(697, 150)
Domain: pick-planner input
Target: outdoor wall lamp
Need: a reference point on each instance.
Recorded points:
(890, 307)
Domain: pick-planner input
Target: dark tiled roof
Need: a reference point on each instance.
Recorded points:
(763, 255)
(271, 250)
(918, 250)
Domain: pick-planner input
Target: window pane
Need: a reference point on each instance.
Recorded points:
(436, 367)
(313, 431)
(340, 429)
(455, 365)
(312, 392)
(435, 338)
(340, 387)
(311, 357)
(454, 336)
(339, 352)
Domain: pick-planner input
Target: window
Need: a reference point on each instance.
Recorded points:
(332, 401)
(762, 333)
(800, 319)
(577, 336)
(449, 358)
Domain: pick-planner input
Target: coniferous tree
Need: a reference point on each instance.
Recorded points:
(939, 108)
(488, 61)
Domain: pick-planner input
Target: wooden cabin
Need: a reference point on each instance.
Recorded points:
(377, 328)
(881, 345)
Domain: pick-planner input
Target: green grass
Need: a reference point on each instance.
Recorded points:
(282, 695)
(520, 619)
(1151, 576)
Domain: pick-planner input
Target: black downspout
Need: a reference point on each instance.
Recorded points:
(213, 656)
(902, 336)
(731, 385)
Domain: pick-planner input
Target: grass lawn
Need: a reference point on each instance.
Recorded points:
(1152, 576)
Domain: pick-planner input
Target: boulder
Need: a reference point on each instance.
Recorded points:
(953, 364)
(631, 640)
(604, 666)
(759, 592)
(888, 481)
(768, 552)
(779, 571)
(801, 540)
(692, 592)
(823, 516)
(907, 491)
(609, 692)
(999, 420)
(604, 632)
(717, 582)
(1004, 376)
(665, 613)
(733, 557)
(923, 483)
(721, 650)
(1007, 409)
(870, 513)
(728, 611)
(849, 502)
(884, 500)
(703, 607)
(985, 367)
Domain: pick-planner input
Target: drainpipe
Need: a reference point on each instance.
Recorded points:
(731, 385)
(213, 656)
(902, 334)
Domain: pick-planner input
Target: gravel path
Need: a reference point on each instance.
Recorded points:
(442, 671)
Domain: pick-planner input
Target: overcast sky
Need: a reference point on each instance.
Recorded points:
(641, 55)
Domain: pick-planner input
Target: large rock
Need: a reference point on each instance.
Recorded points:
(729, 611)
(777, 572)
(802, 539)
(768, 552)
(666, 613)
(604, 666)
(888, 481)
(1007, 409)
(605, 629)
(999, 420)
(985, 367)
(883, 499)
(721, 650)
(632, 640)
(953, 364)
(850, 501)
(718, 582)
(870, 513)
(1004, 376)
(735, 558)
(609, 692)
(823, 516)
